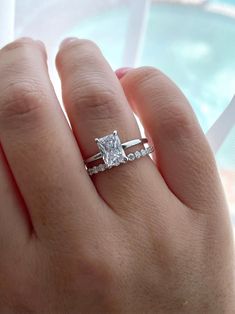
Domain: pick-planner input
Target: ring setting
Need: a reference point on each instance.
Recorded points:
(112, 151)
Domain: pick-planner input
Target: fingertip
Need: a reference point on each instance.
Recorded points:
(67, 41)
(24, 41)
(40, 44)
(122, 72)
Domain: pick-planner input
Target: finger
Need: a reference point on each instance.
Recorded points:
(184, 157)
(96, 106)
(15, 226)
(37, 141)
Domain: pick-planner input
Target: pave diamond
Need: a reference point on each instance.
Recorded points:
(131, 156)
(137, 154)
(95, 170)
(111, 149)
(101, 167)
(143, 152)
(150, 149)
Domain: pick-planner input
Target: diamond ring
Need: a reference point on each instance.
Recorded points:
(112, 151)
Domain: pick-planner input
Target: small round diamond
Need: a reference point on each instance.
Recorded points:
(150, 149)
(143, 152)
(90, 172)
(95, 170)
(101, 167)
(131, 156)
(137, 154)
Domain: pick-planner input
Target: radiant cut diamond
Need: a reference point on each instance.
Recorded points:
(111, 149)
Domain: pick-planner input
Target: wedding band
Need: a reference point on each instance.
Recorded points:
(112, 151)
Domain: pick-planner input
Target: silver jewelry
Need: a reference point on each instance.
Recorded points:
(112, 151)
(112, 141)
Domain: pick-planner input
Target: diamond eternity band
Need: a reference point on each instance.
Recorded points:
(131, 157)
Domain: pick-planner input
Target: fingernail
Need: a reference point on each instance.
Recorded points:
(122, 72)
(68, 40)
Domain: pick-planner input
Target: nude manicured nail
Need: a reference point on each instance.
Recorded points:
(122, 72)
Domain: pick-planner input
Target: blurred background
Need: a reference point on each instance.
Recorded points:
(193, 42)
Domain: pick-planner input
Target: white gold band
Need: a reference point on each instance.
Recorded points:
(131, 157)
(124, 146)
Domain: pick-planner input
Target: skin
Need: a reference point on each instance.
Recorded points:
(151, 236)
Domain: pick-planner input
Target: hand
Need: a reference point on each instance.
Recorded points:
(145, 237)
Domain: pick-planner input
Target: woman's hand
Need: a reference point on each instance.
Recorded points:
(144, 237)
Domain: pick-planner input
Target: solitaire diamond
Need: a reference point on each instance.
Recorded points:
(111, 149)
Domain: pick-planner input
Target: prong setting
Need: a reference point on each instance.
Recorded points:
(112, 151)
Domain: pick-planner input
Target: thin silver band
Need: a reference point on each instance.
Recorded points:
(124, 146)
(131, 157)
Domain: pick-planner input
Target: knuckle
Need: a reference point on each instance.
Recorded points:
(90, 268)
(104, 270)
(175, 116)
(95, 102)
(98, 268)
(20, 99)
(21, 93)
(175, 122)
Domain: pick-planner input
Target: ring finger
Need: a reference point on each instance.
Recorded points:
(96, 106)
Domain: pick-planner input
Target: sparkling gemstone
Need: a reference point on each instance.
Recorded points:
(143, 152)
(101, 167)
(111, 149)
(95, 170)
(137, 154)
(150, 150)
(131, 156)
